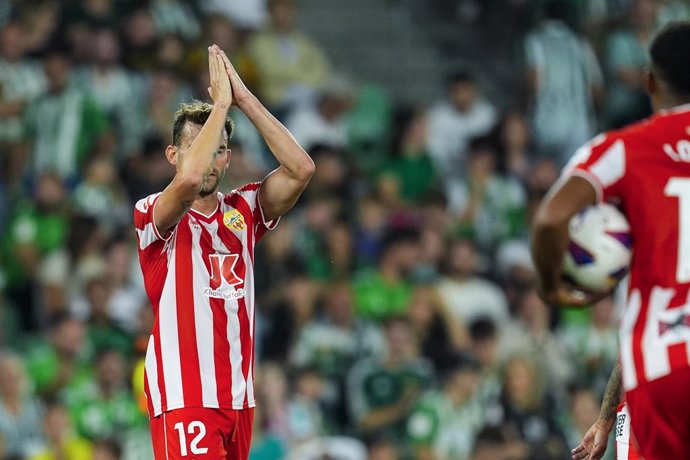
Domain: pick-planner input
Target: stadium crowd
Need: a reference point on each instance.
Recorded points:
(397, 312)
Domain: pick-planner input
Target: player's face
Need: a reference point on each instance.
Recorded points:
(220, 164)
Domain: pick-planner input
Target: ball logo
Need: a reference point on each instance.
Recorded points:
(234, 220)
(223, 270)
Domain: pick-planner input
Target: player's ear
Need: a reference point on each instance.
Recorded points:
(171, 155)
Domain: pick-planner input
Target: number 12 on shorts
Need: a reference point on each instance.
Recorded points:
(193, 428)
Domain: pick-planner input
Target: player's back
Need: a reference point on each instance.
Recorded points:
(645, 169)
(655, 197)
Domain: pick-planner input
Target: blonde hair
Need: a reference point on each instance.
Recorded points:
(197, 113)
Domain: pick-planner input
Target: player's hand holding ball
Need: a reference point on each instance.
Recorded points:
(596, 259)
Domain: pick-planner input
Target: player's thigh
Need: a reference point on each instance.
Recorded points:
(660, 416)
(192, 433)
(241, 440)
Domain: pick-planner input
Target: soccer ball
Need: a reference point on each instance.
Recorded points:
(600, 248)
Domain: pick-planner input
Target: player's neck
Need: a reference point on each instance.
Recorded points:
(206, 205)
(669, 102)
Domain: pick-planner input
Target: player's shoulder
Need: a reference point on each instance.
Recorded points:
(241, 192)
(144, 204)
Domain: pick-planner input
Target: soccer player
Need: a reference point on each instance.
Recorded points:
(196, 250)
(645, 169)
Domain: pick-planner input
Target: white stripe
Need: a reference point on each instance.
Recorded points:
(147, 236)
(654, 349)
(610, 167)
(203, 318)
(151, 367)
(626, 339)
(169, 338)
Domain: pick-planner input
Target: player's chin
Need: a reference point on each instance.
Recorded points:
(210, 186)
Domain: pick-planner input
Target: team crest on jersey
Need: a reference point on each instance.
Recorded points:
(234, 220)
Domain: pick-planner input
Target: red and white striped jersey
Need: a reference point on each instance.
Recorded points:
(645, 169)
(199, 279)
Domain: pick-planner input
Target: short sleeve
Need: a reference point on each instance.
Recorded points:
(602, 162)
(144, 222)
(261, 225)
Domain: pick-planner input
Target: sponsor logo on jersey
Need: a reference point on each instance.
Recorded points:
(224, 294)
(234, 220)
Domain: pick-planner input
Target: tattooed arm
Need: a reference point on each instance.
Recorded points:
(593, 445)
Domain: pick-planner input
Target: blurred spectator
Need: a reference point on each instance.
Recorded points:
(286, 315)
(40, 20)
(313, 239)
(531, 335)
(332, 176)
(265, 446)
(175, 17)
(102, 332)
(371, 224)
(272, 389)
(672, 10)
(494, 207)
(514, 144)
(61, 442)
(249, 14)
(64, 125)
(149, 171)
(100, 194)
(584, 410)
(626, 61)
(384, 448)
(387, 292)
(325, 122)
(116, 92)
(139, 39)
(20, 412)
(21, 80)
(468, 295)
(104, 407)
(411, 170)
(499, 443)
(564, 80)
(340, 447)
(436, 329)
(382, 392)
(304, 415)
(39, 226)
(105, 449)
(462, 115)
(332, 343)
(445, 421)
(528, 408)
(165, 92)
(291, 66)
(484, 347)
(59, 362)
(594, 345)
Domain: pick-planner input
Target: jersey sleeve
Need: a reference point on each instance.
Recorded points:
(602, 162)
(144, 223)
(260, 225)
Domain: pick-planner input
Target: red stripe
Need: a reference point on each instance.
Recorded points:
(245, 341)
(186, 324)
(159, 360)
(678, 356)
(221, 348)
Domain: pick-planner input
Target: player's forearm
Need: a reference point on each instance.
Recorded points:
(549, 242)
(609, 405)
(294, 160)
(199, 158)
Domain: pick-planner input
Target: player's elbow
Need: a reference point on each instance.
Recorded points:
(305, 170)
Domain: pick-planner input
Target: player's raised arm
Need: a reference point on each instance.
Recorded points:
(194, 156)
(550, 238)
(282, 187)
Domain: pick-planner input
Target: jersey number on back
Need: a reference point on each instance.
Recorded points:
(680, 188)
